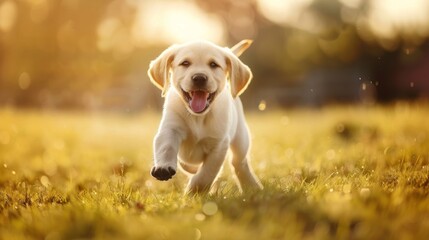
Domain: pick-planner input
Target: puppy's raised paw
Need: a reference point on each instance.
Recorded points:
(162, 173)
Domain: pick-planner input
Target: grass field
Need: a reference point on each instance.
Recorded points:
(337, 172)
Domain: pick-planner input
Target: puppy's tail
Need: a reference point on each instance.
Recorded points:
(240, 47)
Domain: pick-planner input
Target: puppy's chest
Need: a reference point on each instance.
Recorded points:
(201, 129)
(195, 151)
(202, 135)
(204, 145)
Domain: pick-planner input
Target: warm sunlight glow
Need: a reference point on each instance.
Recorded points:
(351, 3)
(7, 15)
(283, 11)
(172, 22)
(293, 13)
(388, 17)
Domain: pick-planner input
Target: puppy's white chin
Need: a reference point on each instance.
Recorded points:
(204, 112)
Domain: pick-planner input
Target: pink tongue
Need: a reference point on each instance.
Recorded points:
(199, 101)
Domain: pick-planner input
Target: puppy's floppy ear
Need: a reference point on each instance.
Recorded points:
(240, 47)
(239, 74)
(159, 69)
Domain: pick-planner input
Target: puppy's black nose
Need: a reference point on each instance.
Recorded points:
(199, 79)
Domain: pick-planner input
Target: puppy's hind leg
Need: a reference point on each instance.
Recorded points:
(202, 181)
(240, 162)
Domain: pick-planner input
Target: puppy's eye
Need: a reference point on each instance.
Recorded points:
(214, 65)
(185, 63)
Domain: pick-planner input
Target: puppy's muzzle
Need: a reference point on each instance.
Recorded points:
(198, 97)
(199, 80)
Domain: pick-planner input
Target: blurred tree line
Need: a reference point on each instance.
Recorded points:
(76, 53)
(333, 35)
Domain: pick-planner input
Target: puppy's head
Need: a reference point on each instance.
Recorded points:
(199, 71)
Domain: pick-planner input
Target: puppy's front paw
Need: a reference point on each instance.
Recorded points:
(162, 173)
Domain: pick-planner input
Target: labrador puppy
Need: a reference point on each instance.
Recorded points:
(203, 116)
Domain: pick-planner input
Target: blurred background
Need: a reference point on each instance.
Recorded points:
(93, 55)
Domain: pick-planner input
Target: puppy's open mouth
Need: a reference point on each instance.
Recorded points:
(198, 100)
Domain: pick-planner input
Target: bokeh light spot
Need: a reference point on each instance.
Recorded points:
(210, 208)
(24, 81)
(44, 180)
(262, 105)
